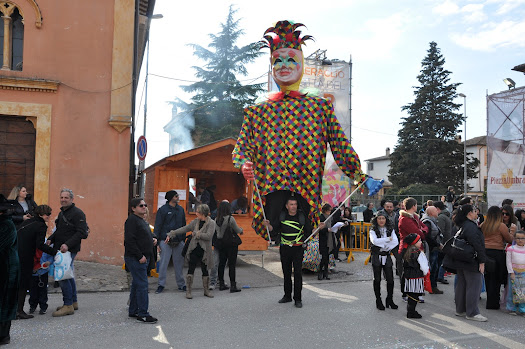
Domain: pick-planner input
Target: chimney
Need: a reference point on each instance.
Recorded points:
(387, 151)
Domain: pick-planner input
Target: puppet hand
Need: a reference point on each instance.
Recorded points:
(247, 171)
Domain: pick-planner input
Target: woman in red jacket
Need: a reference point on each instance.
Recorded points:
(409, 223)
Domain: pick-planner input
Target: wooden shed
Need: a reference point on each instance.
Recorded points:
(208, 165)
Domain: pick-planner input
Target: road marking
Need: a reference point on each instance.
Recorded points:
(161, 337)
(426, 333)
(331, 295)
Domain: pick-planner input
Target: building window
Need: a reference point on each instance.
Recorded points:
(370, 166)
(11, 36)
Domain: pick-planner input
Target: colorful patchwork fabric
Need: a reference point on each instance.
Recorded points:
(287, 142)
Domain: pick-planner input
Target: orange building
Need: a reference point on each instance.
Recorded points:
(66, 105)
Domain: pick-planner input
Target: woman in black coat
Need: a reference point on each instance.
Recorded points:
(31, 235)
(24, 205)
(9, 270)
(470, 274)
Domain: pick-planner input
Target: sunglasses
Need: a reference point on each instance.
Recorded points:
(505, 213)
(143, 205)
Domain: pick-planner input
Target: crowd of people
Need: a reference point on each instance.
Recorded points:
(27, 254)
(205, 242)
(497, 265)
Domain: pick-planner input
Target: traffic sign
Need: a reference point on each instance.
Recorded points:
(142, 148)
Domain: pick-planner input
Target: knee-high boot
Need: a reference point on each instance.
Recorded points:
(377, 291)
(189, 284)
(206, 284)
(389, 297)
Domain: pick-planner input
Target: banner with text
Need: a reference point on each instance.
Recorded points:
(506, 147)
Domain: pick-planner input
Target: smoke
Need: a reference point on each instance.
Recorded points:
(179, 128)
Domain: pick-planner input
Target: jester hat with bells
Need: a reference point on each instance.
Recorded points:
(285, 43)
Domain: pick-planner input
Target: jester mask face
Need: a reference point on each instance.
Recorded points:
(287, 68)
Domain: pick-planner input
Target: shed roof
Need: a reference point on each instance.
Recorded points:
(194, 152)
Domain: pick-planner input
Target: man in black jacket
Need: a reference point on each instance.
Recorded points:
(138, 250)
(291, 230)
(71, 228)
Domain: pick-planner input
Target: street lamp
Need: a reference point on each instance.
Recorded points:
(142, 164)
(464, 144)
(157, 16)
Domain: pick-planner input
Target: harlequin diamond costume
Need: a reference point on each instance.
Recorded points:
(283, 141)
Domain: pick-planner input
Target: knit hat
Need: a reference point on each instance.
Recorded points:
(411, 239)
(170, 195)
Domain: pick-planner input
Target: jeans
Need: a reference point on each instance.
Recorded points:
(292, 256)
(213, 272)
(69, 287)
(436, 259)
(166, 253)
(138, 292)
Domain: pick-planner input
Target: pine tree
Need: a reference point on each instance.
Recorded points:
(428, 151)
(220, 97)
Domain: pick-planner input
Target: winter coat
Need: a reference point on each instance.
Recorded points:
(326, 237)
(434, 236)
(70, 233)
(410, 224)
(9, 269)
(19, 212)
(202, 236)
(138, 240)
(445, 224)
(31, 235)
(220, 229)
(474, 237)
(169, 218)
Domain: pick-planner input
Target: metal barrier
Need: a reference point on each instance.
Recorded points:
(356, 238)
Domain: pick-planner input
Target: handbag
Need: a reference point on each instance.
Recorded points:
(62, 266)
(230, 238)
(186, 245)
(459, 248)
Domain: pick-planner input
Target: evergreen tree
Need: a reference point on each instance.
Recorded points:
(427, 151)
(220, 98)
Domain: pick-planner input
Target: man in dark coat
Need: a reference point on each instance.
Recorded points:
(9, 270)
(71, 228)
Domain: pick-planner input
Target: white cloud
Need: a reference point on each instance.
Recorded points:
(446, 8)
(506, 6)
(377, 39)
(473, 13)
(495, 35)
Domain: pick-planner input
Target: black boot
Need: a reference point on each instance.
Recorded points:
(222, 285)
(234, 288)
(411, 308)
(389, 298)
(320, 275)
(20, 314)
(377, 291)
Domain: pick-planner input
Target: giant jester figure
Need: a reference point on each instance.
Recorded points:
(283, 143)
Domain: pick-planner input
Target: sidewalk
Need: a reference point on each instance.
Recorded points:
(95, 277)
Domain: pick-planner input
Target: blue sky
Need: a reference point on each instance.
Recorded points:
(481, 40)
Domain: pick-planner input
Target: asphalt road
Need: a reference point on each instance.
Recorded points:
(338, 314)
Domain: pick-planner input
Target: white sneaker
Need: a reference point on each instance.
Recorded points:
(211, 287)
(477, 317)
(461, 314)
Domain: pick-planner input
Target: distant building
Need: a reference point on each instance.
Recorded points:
(379, 167)
(66, 96)
(478, 147)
